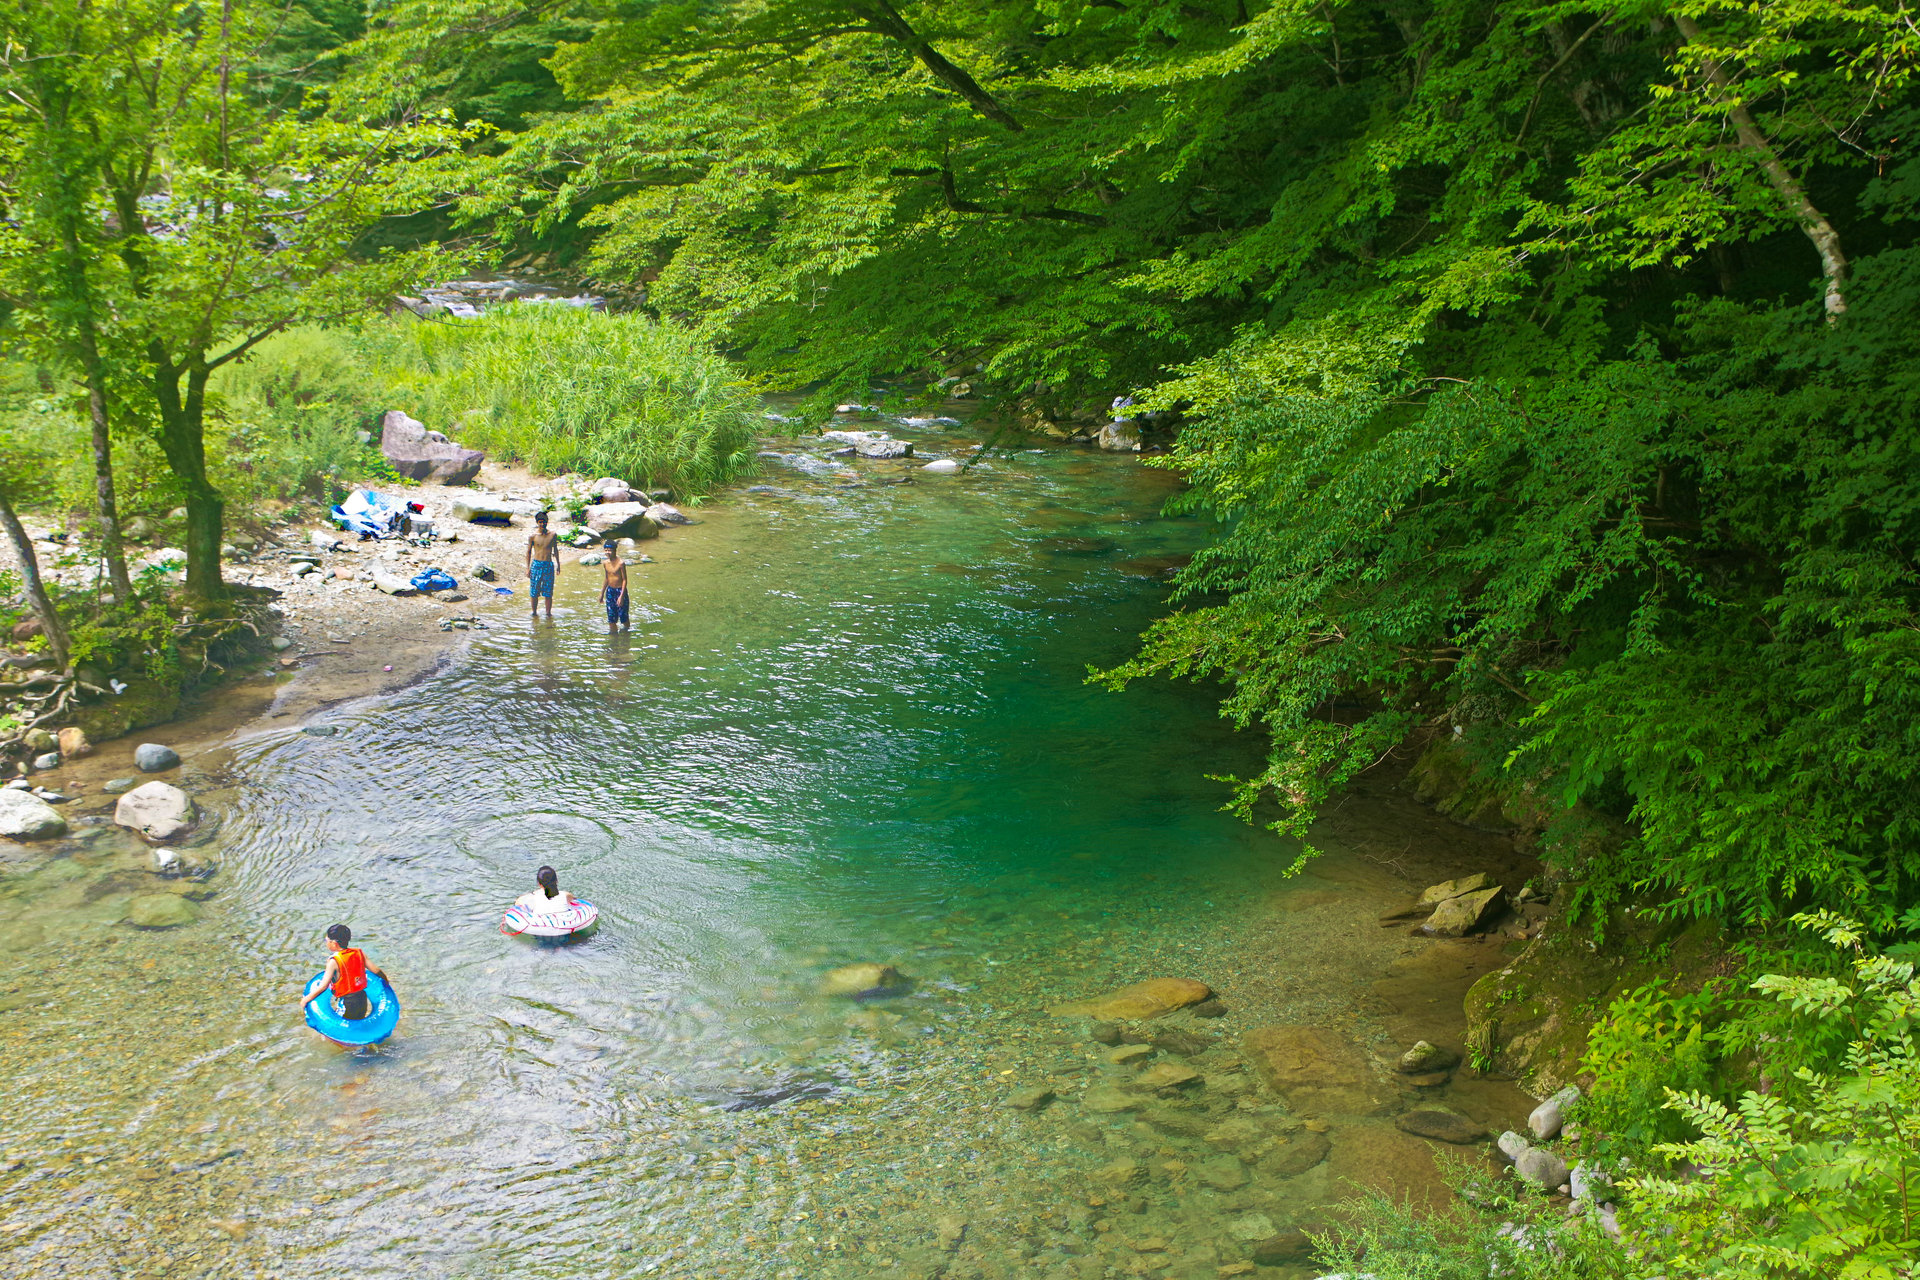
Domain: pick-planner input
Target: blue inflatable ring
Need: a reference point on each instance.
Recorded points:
(383, 1015)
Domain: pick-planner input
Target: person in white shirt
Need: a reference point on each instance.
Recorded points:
(546, 899)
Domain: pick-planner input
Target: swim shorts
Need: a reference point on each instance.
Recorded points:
(354, 1007)
(616, 602)
(540, 579)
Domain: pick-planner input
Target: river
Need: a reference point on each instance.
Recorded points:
(851, 723)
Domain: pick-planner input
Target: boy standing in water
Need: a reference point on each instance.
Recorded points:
(346, 974)
(541, 564)
(614, 590)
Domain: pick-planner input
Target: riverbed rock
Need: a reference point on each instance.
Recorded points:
(1437, 893)
(622, 520)
(663, 513)
(51, 760)
(152, 757)
(1545, 1120)
(325, 540)
(391, 585)
(1542, 1168)
(1166, 1075)
(156, 810)
(1129, 1053)
(1224, 1172)
(866, 979)
(1441, 1126)
(1425, 1057)
(1107, 1100)
(39, 740)
(1457, 917)
(1295, 1155)
(114, 786)
(420, 454)
(161, 911)
(1153, 998)
(871, 444)
(606, 484)
(73, 743)
(1512, 1145)
(942, 466)
(24, 816)
(1033, 1098)
(1289, 1248)
(1316, 1071)
(1119, 437)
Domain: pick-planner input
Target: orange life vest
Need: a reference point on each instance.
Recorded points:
(352, 976)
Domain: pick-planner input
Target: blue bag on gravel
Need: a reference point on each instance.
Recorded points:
(434, 580)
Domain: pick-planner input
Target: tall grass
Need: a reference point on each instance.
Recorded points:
(290, 415)
(562, 389)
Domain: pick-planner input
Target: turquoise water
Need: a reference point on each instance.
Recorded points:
(851, 723)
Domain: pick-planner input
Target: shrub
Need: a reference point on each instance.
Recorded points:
(1822, 1179)
(570, 390)
(291, 413)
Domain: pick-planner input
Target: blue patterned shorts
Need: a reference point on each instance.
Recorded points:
(540, 579)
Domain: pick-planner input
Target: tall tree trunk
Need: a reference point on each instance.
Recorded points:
(37, 595)
(183, 440)
(86, 340)
(1826, 241)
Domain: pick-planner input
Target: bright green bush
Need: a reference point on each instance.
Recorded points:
(1821, 1178)
(570, 390)
(290, 415)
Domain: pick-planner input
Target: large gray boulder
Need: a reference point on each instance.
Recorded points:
(622, 520)
(1457, 917)
(662, 513)
(24, 816)
(1119, 437)
(156, 810)
(482, 509)
(420, 454)
(871, 444)
(151, 757)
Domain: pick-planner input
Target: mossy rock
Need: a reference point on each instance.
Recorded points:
(161, 911)
(1530, 1019)
(144, 704)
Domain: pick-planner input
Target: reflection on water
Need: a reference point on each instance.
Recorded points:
(850, 724)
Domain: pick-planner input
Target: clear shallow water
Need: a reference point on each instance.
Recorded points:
(850, 724)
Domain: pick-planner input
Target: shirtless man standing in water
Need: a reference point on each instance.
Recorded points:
(613, 592)
(542, 562)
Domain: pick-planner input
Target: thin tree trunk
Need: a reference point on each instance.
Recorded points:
(37, 595)
(106, 509)
(183, 440)
(1826, 241)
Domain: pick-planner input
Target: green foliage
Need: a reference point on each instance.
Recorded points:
(1650, 1041)
(1493, 1229)
(573, 390)
(290, 415)
(1815, 1182)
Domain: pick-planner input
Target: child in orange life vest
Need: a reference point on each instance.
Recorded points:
(346, 973)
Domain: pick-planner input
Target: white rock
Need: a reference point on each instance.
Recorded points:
(391, 585)
(605, 483)
(1546, 1119)
(942, 466)
(625, 517)
(24, 816)
(1511, 1144)
(324, 541)
(482, 508)
(168, 555)
(157, 810)
(663, 514)
(1542, 1168)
